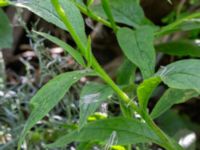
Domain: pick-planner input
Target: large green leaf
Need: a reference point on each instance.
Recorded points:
(45, 10)
(125, 131)
(184, 74)
(92, 95)
(138, 47)
(145, 90)
(5, 31)
(49, 95)
(171, 97)
(124, 11)
(180, 48)
(74, 53)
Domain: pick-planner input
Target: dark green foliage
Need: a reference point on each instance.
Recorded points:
(136, 40)
(5, 31)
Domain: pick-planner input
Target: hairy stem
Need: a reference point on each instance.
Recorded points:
(95, 64)
(4, 3)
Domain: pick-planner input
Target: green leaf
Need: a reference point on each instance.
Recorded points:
(185, 23)
(74, 53)
(145, 90)
(5, 31)
(107, 9)
(45, 10)
(92, 95)
(128, 12)
(193, 24)
(126, 78)
(125, 74)
(48, 96)
(171, 97)
(180, 48)
(4, 3)
(182, 74)
(85, 146)
(88, 53)
(125, 131)
(138, 47)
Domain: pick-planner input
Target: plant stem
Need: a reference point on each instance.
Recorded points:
(90, 14)
(123, 96)
(167, 142)
(95, 65)
(107, 9)
(173, 26)
(64, 17)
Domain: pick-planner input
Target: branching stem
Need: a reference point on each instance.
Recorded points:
(166, 142)
(163, 31)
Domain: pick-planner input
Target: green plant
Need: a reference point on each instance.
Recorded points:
(137, 43)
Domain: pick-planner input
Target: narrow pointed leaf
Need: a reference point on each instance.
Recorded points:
(5, 31)
(49, 95)
(171, 97)
(124, 11)
(183, 74)
(189, 25)
(45, 10)
(138, 47)
(92, 95)
(85, 145)
(74, 53)
(126, 131)
(125, 74)
(145, 90)
(180, 48)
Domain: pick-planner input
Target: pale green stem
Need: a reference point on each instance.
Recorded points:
(164, 30)
(174, 25)
(95, 65)
(167, 142)
(93, 16)
(4, 3)
(107, 9)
